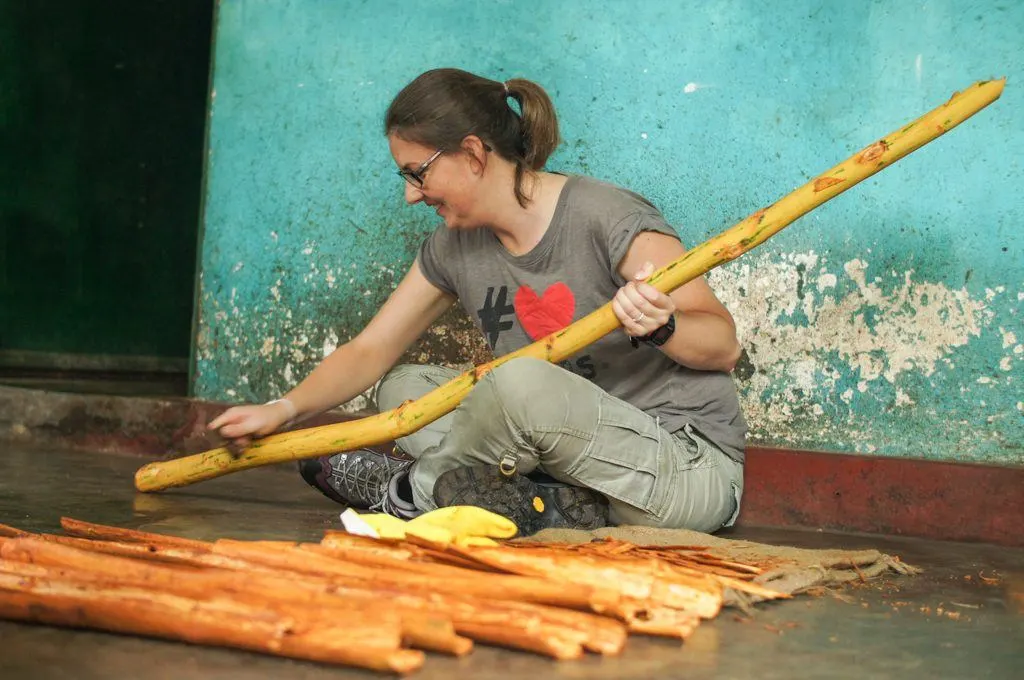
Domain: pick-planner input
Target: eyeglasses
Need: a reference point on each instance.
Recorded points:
(415, 177)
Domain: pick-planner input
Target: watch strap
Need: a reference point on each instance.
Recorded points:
(659, 336)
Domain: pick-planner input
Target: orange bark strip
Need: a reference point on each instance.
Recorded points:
(665, 623)
(434, 633)
(873, 152)
(138, 611)
(171, 555)
(823, 183)
(469, 597)
(488, 586)
(494, 584)
(601, 635)
(517, 638)
(75, 527)
(643, 581)
(293, 595)
(11, 532)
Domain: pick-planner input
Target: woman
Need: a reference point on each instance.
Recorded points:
(638, 428)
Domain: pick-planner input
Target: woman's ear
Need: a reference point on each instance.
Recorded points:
(476, 152)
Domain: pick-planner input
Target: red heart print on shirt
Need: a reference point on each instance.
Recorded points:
(551, 311)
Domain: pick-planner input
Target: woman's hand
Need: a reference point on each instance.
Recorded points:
(640, 307)
(241, 424)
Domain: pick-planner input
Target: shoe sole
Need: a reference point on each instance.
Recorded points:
(529, 505)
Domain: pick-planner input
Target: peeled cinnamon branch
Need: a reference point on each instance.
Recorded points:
(737, 240)
(136, 611)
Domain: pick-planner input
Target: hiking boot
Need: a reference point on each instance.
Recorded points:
(397, 501)
(359, 479)
(530, 505)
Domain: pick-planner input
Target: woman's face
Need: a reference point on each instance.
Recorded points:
(446, 181)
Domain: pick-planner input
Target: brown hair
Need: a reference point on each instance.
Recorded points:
(441, 107)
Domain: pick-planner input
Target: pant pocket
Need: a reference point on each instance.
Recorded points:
(623, 462)
(737, 494)
(695, 451)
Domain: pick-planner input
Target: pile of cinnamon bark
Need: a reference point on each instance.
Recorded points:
(359, 601)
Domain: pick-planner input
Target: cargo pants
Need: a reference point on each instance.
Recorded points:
(539, 416)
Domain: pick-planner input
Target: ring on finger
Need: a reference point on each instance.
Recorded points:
(638, 319)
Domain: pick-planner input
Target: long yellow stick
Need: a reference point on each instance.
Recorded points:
(728, 245)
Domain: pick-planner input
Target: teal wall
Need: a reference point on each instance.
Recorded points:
(886, 322)
(102, 114)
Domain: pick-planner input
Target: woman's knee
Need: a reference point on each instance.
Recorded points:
(409, 381)
(537, 397)
(524, 379)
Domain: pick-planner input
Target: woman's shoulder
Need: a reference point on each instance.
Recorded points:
(606, 208)
(601, 197)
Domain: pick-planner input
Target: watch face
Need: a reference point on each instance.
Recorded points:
(661, 335)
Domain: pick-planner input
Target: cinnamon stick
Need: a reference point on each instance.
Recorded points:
(602, 635)
(171, 555)
(665, 622)
(120, 609)
(518, 638)
(637, 581)
(494, 584)
(11, 532)
(434, 633)
(465, 600)
(488, 586)
(103, 532)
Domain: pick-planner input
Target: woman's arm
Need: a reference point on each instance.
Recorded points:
(352, 368)
(705, 335)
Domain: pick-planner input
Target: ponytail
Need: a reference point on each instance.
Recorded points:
(539, 126)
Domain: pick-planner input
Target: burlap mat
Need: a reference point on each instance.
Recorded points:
(788, 570)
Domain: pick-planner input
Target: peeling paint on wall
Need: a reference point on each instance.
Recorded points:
(848, 342)
(289, 343)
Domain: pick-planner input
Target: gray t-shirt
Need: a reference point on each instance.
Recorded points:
(517, 299)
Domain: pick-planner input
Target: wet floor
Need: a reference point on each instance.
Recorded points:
(947, 623)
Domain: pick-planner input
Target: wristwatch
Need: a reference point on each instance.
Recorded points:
(659, 336)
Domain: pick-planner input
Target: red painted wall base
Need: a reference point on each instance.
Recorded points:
(947, 501)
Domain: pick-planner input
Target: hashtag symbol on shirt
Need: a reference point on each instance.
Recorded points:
(491, 315)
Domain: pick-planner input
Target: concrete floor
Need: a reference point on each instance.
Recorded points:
(939, 624)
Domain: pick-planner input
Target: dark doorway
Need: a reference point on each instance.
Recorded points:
(102, 120)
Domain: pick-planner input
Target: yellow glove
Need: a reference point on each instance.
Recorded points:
(386, 526)
(463, 525)
(467, 520)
